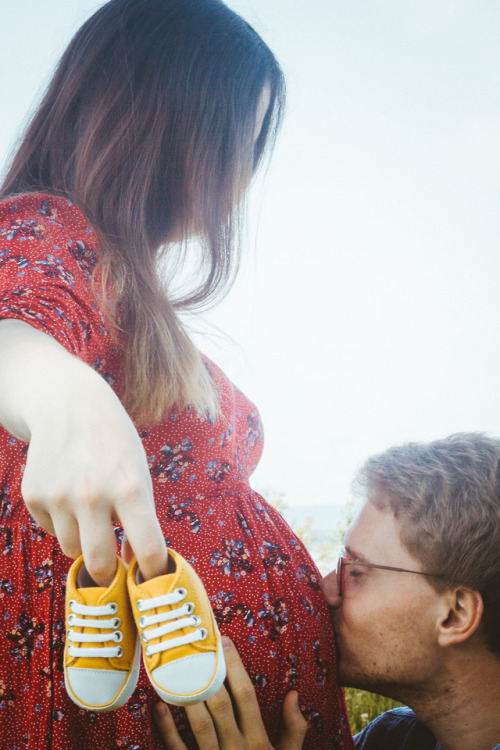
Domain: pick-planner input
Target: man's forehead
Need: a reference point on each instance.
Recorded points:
(374, 536)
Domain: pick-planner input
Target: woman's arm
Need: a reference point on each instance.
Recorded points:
(217, 724)
(86, 465)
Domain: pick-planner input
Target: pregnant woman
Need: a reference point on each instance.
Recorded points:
(114, 429)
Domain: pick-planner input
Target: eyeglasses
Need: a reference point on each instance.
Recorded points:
(343, 562)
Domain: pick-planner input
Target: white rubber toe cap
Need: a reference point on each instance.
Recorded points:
(186, 677)
(94, 688)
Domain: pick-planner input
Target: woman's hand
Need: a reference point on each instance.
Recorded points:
(85, 466)
(216, 724)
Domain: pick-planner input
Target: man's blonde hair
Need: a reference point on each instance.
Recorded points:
(446, 495)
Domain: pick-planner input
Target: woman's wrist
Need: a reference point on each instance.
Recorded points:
(39, 378)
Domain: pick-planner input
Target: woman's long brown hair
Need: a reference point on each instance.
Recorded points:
(147, 126)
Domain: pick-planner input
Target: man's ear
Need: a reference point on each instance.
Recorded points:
(463, 612)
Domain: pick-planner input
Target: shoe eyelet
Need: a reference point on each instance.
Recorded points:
(116, 622)
(197, 620)
(71, 619)
(140, 605)
(120, 652)
(182, 592)
(114, 607)
(117, 636)
(71, 602)
(145, 638)
(148, 652)
(203, 632)
(190, 607)
(142, 621)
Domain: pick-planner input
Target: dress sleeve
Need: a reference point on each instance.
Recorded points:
(47, 255)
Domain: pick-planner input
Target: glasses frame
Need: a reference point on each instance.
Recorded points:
(343, 563)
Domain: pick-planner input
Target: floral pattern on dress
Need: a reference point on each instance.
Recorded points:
(183, 511)
(234, 558)
(22, 229)
(85, 256)
(262, 583)
(172, 462)
(25, 636)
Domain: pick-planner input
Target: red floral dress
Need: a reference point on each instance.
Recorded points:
(261, 581)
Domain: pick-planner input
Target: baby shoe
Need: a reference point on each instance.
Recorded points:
(102, 652)
(181, 643)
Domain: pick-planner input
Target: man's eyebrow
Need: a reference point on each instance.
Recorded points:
(356, 555)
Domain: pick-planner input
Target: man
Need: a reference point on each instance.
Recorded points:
(429, 638)
(415, 604)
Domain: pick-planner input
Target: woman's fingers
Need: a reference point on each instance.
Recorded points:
(67, 532)
(40, 516)
(292, 737)
(215, 725)
(103, 475)
(202, 726)
(98, 545)
(222, 713)
(245, 700)
(144, 536)
(166, 727)
(127, 551)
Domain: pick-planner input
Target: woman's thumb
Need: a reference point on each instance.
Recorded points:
(292, 737)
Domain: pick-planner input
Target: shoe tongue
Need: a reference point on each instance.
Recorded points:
(160, 585)
(92, 595)
(88, 589)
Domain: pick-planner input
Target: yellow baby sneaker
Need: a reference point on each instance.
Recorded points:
(102, 652)
(181, 644)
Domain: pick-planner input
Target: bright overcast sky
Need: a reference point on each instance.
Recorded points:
(367, 309)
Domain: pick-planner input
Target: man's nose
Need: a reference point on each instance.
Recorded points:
(330, 588)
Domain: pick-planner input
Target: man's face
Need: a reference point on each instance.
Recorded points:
(385, 624)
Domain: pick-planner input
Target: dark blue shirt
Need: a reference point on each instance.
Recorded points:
(398, 729)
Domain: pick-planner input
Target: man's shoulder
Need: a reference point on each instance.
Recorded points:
(398, 729)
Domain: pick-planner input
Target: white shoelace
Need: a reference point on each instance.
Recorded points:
(175, 619)
(86, 621)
